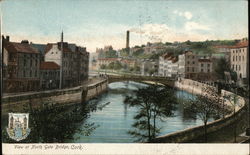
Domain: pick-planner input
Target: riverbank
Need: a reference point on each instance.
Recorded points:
(195, 133)
(24, 102)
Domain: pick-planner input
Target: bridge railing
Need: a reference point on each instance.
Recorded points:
(139, 77)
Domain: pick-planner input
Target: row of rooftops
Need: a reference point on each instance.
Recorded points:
(25, 47)
(174, 59)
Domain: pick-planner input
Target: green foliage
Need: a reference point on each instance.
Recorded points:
(138, 52)
(111, 54)
(124, 52)
(103, 66)
(153, 103)
(205, 106)
(168, 43)
(52, 124)
(222, 66)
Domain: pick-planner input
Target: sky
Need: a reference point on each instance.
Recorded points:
(96, 23)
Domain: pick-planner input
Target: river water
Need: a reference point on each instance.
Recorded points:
(115, 120)
(108, 123)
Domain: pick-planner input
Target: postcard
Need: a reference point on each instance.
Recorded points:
(124, 77)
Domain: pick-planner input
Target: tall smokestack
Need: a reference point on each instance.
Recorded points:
(127, 41)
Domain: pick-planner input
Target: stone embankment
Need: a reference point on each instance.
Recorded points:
(194, 132)
(27, 101)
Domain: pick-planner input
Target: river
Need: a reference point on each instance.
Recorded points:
(116, 119)
(107, 119)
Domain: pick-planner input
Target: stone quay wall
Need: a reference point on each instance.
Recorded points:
(194, 132)
(28, 101)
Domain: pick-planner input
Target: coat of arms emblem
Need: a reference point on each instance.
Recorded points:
(18, 127)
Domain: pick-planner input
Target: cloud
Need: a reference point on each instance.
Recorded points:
(188, 15)
(162, 32)
(196, 26)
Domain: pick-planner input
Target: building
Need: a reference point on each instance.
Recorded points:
(40, 48)
(181, 65)
(205, 66)
(21, 64)
(74, 61)
(168, 65)
(106, 61)
(149, 67)
(101, 51)
(205, 70)
(239, 60)
(49, 75)
(162, 64)
(191, 64)
(128, 62)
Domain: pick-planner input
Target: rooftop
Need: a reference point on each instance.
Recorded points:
(20, 47)
(49, 66)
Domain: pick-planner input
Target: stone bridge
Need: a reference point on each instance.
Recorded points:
(137, 78)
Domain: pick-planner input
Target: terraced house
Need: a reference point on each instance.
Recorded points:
(240, 60)
(74, 61)
(21, 66)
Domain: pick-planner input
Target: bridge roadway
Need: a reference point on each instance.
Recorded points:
(137, 78)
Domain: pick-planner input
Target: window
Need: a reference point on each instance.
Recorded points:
(188, 62)
(236, 67)
(233, 67)
(35, 73)
(52, 52)
(193, 62)
(30, 73)
(193, 69)
(24, 62)
(208, 70)
(201, 70)
(239, 67)
(239, 58)
(188, 69)
(233, 58)
(30, 62)
(208, 65)
(24, 74)
(201, 65)
(193, 57)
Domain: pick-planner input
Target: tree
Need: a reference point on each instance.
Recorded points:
(222, 66)
(103, 66)
(111, 65)
(117, 65)
(205, 106)
(111, 54)
(153, 102)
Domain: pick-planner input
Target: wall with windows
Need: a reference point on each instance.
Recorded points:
(239, 60)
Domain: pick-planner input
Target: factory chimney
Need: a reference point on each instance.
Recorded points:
(127, 40)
